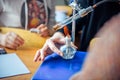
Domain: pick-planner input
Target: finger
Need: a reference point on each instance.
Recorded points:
(42, 56)
(41, 26)
(13, 41)
(8, 45)
(37, 55)
(54, 48)
(73, 45)
(46, 50)
(19, 41)
(44, 30)
(17, 38)
(44, 34)
(11, 44)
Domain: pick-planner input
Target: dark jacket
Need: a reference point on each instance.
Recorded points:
(91, 23)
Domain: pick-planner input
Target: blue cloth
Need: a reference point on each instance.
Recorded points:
(56, 68)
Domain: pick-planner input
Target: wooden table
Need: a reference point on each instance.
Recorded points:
(26, 52)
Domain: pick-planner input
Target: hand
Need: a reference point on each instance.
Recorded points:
(44, 32)
(52, 45)
(11, 40)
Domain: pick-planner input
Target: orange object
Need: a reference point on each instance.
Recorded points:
(33, 23)
(66, 31)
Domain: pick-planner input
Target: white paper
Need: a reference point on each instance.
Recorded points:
(11, 65)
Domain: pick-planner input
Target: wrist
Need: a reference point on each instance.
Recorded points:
(1, 38)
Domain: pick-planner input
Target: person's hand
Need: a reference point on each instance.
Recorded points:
(44, 32)
(11, 40)
(52, 45)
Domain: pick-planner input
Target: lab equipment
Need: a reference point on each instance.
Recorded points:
(81, 13)
(75, 7)
(67, 49)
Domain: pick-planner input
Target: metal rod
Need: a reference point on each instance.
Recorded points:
(73, 23)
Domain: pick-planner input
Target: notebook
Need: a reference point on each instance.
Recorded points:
(11, 65)
(56, 68)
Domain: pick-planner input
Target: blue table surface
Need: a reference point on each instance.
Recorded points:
(56, 68)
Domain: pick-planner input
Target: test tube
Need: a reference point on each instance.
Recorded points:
(80, 14)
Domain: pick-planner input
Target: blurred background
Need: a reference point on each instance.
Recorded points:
(62, 2)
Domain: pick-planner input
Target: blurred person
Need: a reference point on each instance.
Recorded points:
(10, 17)
(13, 14)
(103, 62)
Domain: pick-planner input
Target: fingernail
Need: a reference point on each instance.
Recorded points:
(42, 59)
(61, 54)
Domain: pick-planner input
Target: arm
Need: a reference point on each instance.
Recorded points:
(103, 62)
